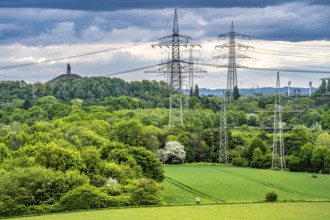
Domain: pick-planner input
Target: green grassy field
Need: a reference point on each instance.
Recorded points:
(224, 185)
(269, 211)
(214, 184)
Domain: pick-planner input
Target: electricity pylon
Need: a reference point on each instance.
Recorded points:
(224, 147)
(177, 67)
(278, 159)
(191, 70)
(232, 57)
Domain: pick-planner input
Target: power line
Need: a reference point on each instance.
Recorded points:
(71, 57)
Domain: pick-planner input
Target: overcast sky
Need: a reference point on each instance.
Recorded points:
(285, 35)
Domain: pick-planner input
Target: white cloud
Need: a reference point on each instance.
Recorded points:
(36, 35)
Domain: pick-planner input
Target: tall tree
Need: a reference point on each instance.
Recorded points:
(323, 87)
(196, 92)
(236, 94)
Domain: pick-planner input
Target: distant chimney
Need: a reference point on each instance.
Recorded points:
(68, 69)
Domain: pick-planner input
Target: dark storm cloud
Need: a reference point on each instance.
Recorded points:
(106, 5)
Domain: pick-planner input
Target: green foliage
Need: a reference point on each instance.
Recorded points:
(106, 149)
(4, 152)
(9, 207)
(151, 136)
(92, 160)
(110, 169)
(58, 158)
(293, 163)
(325, 121)
(271, 196)
(151, 166)
(236, 94)
(305, 157)
(323, 87)
(295, 140)
(256, 143)
(38, 185)
(123, 102)
(318, 158)
(196, 91)
(240, 162)
(147, 192)
(129, 132)
(84, 197)
(323, 140)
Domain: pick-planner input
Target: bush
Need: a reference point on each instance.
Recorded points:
(110, 169)
(8, 207)
(90, 197)
(84, 197)
(98, 180)
(271, 196)
(240, 162)
(314, 175)
(38, 185)
(147, 192)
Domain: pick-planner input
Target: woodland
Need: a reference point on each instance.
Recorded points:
(101, 142)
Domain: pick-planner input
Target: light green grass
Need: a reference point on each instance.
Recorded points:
(262, 211)
(231, 184)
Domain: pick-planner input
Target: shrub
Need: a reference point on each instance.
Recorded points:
(240, 162)
(147, 192)
(314, 175)
(90, 197)
(271, 196)
(8, 207)
(84, 197)
(98, 180)
(151, 166)
(38, 185)
(110, 169)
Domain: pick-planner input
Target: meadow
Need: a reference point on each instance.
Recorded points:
(292, 211)
(227, 184)
(226, 192)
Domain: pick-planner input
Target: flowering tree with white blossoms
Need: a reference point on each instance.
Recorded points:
(172, 153)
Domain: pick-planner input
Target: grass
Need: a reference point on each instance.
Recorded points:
(235, 193)
(269, 211)
(214, 184)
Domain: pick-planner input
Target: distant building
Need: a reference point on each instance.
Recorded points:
(68, 75)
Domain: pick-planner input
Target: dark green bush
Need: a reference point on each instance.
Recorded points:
(9, 207)
(271, 196)
(84, 197)
(38, 185)
(147, 192)
(98, 180)
(90, 197)
(240, 162)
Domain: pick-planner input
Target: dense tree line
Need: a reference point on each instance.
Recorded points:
(93, 90)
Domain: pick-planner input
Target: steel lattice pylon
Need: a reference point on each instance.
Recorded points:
(278, 159)
(232, 57)
(175, 41)
(224, 147)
